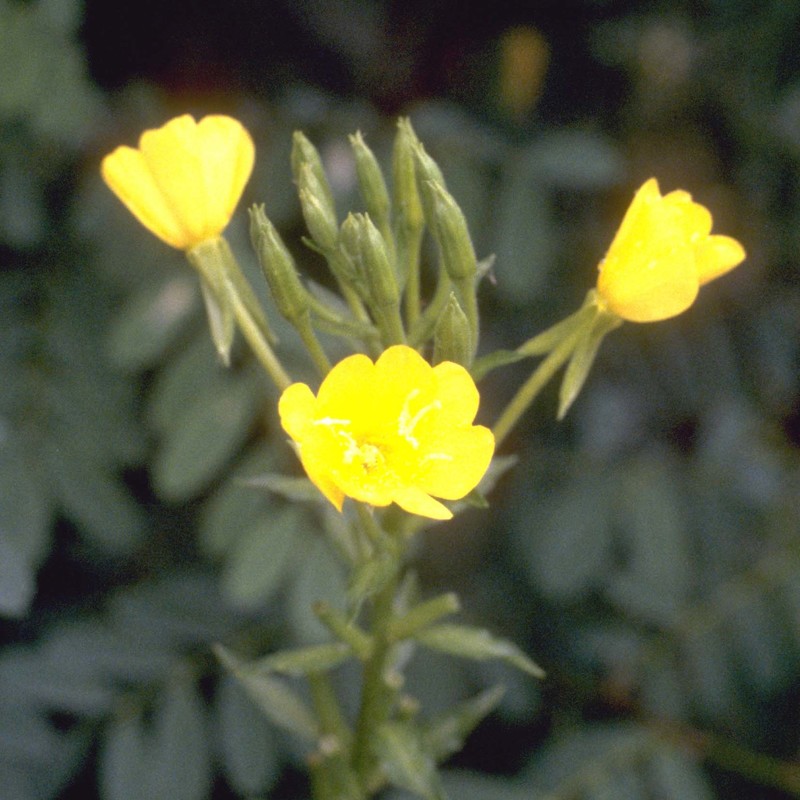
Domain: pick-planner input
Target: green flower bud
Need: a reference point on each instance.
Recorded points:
(305, 154)
(451, 233)
(320, 216)
(366, 249)
(278, 265)
(452, 338)
(427, 172)
(407, 205)
(371, 181)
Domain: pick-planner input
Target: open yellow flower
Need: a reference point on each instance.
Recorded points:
(661, 256)
(185, 179)
(398, 430)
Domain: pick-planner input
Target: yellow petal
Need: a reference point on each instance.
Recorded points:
(717, 255)
(173, 156)
(317, 472)
(691, 219)
(128, 176)
(650, 290)
(342, 393)
(457, 392)
(184, 181)
(455, 462)
(227, 154)
(645, 197)
(296, 409)
(415, 501)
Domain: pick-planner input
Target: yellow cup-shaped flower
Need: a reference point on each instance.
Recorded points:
(185, 179)
(394, 431)
(661, 256)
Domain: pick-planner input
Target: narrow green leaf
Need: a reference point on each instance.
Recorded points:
(582, 359)
(370, 577)
(406, 761)
(245, 739)
(477, 644)
(446, 733)
(423, 615)
(279, 703)
(295, 489)
(221, 319)
(304, 660)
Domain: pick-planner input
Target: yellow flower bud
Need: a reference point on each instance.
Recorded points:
(662, 254)
(185, 179)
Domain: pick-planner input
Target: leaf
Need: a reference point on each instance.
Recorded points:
(204, 438)
(261, 558)
(575, 159)
(221, 321)
(304, 660)
(178, 757)
(568, 550)
(477, 644)
(656, 580)
(123, 765)
(319, 579)
(25, 511)
(93, 498)
(405, 760)
(191, 374)
(676, 776)
(150, 321)
(248, 746)
(53, 687)
(525, 235)
(445, 734)
(279, 703)
(294, 489)
(17, 579)
(235, 506)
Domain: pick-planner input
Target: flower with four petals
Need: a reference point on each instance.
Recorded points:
(394, 431)
(662, 254)
(185, 179)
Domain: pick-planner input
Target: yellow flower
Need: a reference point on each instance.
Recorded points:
(398, 430)
(184, 181)
(661, 256)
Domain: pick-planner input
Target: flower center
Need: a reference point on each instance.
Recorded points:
(370, 456)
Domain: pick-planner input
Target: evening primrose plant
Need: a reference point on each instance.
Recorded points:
(388, 434)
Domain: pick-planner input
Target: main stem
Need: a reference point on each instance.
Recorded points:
(376, 694)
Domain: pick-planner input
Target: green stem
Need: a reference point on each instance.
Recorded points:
(426, 323)
(259, 344)
(216, 262)
(529, 390)
(410, 269)
(376, 694)
(469, 303)
(391, 325)
(312, 343)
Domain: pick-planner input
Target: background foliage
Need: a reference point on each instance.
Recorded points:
(646, 551)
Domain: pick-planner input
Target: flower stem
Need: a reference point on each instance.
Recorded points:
(529, 390)
(377, 694)
(217, 264)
